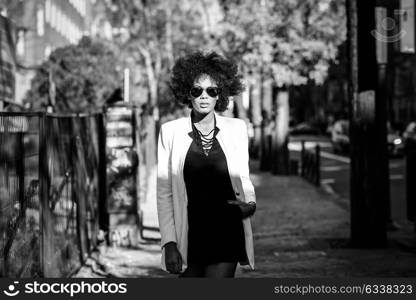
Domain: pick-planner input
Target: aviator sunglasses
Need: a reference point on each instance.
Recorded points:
(197, 91)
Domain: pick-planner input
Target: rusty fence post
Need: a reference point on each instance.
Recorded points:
(46, 251)
(317, 165)
(103, 217)
(302, 159)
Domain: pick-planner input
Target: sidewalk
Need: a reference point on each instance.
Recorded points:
(299, 231)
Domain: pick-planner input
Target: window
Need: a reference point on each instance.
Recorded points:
(83, 8)
(20, 46)
(59, 23)
(78, 33)
(48, 50)
(48, 11)
(80, 6)
(65, 26)
(53, 16)
(73, 37)
(40, 21)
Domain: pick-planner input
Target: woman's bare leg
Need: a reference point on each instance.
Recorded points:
(220, 270)
(193, 270)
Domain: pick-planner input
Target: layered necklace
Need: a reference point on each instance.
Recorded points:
(205, 140)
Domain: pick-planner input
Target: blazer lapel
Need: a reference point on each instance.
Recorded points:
(222, 134)
(184, 143)
(226, 142)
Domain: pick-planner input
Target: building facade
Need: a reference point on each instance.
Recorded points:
(43, 26)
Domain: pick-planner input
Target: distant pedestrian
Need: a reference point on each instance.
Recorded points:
(204, 194)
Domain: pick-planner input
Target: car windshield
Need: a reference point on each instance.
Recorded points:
(392, 131)
(411, 127)
(343, 126)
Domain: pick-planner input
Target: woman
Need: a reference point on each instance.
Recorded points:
(204, 193)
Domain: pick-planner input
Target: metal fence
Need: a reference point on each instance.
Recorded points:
(311, 164)
(51, 175)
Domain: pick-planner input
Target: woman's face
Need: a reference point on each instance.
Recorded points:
(208, 90)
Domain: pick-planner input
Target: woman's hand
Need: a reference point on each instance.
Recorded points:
(173, 258)
(247, 209)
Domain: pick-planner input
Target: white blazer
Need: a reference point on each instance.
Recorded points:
(173, 144)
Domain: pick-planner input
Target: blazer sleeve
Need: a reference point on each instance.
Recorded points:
(164, 188)
(249, 193)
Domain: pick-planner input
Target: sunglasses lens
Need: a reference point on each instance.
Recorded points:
(196, 92)
(212, 91)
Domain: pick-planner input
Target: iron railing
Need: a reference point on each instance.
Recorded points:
(52, 191)
(311, 164)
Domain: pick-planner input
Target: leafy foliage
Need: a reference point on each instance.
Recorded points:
(13, 8)
(85, 75)
(294, 40)
(291, 41)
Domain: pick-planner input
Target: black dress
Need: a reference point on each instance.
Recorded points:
(216, 232)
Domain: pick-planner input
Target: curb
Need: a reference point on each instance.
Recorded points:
(405, 244)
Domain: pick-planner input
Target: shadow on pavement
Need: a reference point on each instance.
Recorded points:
(299, 231)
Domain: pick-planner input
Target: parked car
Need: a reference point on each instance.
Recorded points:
(341, 141)
(410, 132)
(340, 136)
(304, 129)
(395, 143)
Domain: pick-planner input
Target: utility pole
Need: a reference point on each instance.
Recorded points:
(368, 132)
(255, 111)
(266, 113)
(52, 93)
(126, 85)
(280, 139)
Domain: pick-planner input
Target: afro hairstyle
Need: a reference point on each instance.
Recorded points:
(191, 67)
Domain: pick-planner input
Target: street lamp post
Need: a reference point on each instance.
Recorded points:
(369, 161)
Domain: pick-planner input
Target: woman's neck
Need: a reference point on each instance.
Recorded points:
(204, 120)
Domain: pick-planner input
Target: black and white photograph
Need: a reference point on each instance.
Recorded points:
(222, 139)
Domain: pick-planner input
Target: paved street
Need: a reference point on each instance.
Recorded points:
(299, 230)
(335, 176)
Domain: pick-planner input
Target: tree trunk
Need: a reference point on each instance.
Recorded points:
(239, 110)
(266, 109)
(206, 19)
(369, 164)
(280, 140)
(256, 118)
(169, 34)
(152, 119)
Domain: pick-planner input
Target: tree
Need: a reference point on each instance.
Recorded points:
(154, 32)
(84, 75)
(287, 42)
(12, 8)
(292, 42)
